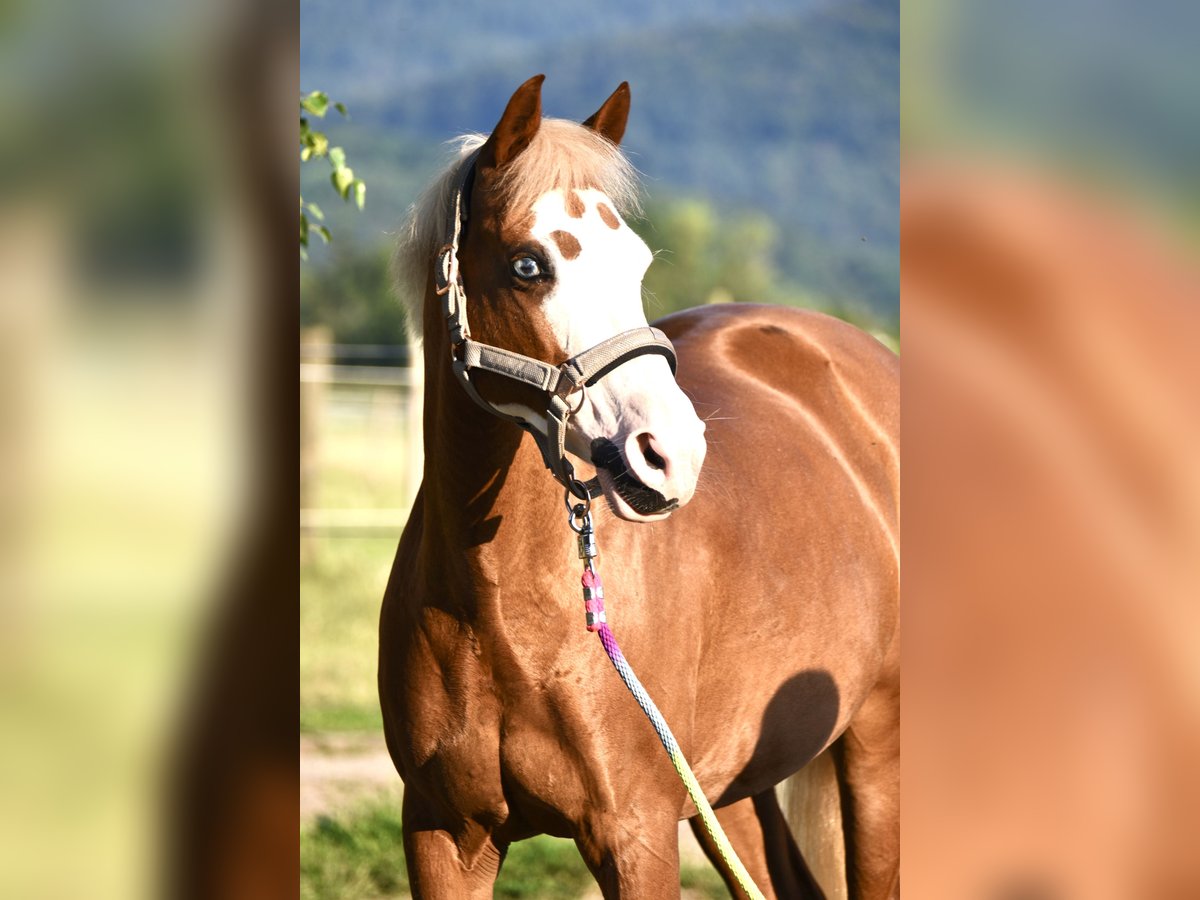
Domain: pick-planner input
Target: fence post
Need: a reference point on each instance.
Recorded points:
(315, 350)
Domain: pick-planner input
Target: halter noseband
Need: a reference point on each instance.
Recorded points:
(559, 382)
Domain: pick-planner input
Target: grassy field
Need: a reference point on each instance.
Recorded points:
(362, 449)
(341, 584)
(361, 855)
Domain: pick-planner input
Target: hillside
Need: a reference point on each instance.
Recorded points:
(370, 49)
(792, 112)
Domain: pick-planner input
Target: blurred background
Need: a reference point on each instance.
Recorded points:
(767, 132)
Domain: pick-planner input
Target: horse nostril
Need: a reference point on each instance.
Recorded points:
(646, 445)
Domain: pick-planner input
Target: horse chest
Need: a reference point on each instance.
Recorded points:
(521, 764)
(550, 758)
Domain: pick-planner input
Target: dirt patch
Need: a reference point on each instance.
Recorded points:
(341, 771)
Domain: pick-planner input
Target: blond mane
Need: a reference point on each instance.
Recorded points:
(561, 155)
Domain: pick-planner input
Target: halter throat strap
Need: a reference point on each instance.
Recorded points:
(558, 382)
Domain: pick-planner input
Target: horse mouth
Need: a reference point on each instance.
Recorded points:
(622, 488)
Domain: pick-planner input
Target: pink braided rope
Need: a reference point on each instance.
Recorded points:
(593, 603)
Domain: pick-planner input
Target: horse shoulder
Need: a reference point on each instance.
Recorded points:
(432, 683)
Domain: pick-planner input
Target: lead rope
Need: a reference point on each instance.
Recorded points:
(580, 520)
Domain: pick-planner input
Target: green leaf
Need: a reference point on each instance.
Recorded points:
(315, 144)
(316, 103)
(342, 179)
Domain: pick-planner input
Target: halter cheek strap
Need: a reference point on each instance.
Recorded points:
(558, 382)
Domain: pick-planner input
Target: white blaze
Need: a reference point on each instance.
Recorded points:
(598, 294)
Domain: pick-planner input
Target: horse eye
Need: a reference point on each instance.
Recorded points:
(527, 267)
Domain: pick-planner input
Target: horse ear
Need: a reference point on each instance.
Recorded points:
(609, 120)
(516, 127)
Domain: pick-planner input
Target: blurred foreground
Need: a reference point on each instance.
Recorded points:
(1050, 322)
(1053, 513)
(147, 555)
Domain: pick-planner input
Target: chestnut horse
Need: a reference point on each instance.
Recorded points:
(760, 608)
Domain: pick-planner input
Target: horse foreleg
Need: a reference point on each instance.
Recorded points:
(634, 857)
(760, 835)
(444, 863)
(869, 772)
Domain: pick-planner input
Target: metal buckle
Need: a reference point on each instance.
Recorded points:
(580, 512)
(582, 399)
(571, 388)
(442, 271)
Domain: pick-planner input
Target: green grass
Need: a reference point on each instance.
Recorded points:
(543, 867)
(341, 586)
(358, 857)
(704, 880)
(363, 450)
(362, 855)
(363, 459)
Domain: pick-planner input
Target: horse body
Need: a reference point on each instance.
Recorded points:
(763, 618)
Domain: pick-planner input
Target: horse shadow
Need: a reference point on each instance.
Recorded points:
(796, 726)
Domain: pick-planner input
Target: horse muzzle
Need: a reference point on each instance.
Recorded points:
(645, 478)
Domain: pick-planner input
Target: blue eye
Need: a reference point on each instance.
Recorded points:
(527, 267)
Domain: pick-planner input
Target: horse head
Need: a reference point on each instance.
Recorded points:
(550, 268)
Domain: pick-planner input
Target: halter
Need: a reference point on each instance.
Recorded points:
(559, 382)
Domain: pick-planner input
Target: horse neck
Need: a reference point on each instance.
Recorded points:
(482, 487)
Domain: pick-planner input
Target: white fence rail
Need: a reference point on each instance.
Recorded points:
(360, 439)
(367, 376)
